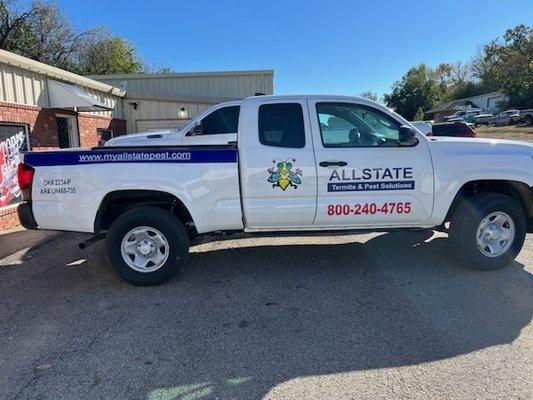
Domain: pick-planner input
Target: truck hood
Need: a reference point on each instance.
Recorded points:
(483, 158)
(146, 139)
(478, 143)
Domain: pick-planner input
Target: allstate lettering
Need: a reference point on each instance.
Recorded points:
(367, 174)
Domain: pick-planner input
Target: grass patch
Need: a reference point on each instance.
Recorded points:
(516, 132)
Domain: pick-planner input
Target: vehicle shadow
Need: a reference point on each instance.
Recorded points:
(396, 300)
(250, 315)
(16, 240)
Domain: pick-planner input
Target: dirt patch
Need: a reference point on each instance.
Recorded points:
(505, 132)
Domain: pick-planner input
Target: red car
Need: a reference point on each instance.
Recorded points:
(455, 129)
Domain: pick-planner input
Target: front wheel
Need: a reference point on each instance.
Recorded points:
(147, 246)
(487, 231)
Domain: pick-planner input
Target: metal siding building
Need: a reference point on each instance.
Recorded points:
(233, 84)
(24, 81)
(167, 101)
(43, 107)
(149, 113)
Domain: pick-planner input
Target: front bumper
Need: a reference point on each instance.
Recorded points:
(25, 214)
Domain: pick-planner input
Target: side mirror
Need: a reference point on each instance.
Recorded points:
(196, 130)
(407, 136)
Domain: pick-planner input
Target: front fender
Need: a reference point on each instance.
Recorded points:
(457, 164)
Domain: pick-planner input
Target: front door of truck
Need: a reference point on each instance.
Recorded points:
(277, 165)
(365, 177)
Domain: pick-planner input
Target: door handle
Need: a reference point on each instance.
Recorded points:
(332, 163)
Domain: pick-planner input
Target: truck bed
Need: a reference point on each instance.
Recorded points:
(70, 185)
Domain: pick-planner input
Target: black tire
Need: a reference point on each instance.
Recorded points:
(464, 226)
(528, 120)
(168, 225)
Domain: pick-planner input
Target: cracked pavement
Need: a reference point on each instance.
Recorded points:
(364, 316)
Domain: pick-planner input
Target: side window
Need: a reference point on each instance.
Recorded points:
(223, 120)
(282, 125)
(356, 125)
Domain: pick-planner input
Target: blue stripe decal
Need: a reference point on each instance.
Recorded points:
(159, 155)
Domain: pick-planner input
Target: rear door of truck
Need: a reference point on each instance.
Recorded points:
(278, 174)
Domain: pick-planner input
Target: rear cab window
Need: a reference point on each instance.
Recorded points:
(281, 125)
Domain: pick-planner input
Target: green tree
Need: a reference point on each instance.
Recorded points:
(13, 25)
(419, 115)
(457, 81)
(159, 69)
(504, 65)
(508, 66)
(108, 54)
(39, 30)
(368, 94)
(417, 89)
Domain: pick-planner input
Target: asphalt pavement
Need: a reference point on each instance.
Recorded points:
(373, 316)
(18, 238)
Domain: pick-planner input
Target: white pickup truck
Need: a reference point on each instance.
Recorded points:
(282, 164)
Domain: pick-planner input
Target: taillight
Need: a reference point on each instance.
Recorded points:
(25, 177)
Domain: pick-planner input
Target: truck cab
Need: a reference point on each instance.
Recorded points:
(321, 153)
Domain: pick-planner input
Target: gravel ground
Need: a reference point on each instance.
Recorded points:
(373, 316)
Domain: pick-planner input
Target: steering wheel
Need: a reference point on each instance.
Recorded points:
(354, 137)
(371, 139)
(380, 141)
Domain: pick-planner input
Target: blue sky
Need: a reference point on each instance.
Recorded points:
(328, 46)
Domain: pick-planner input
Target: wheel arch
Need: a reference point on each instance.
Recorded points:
(520, 191)
(117, 202)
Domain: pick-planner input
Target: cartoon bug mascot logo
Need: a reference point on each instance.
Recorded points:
(282, 175)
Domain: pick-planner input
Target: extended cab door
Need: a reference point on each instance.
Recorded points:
(277, 164)
(365, 177)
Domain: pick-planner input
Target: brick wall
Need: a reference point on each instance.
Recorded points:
(8, 217)
(88, 125)
(42, 129)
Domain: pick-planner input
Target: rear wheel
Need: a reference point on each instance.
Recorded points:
(147, 246)
(488, 231)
